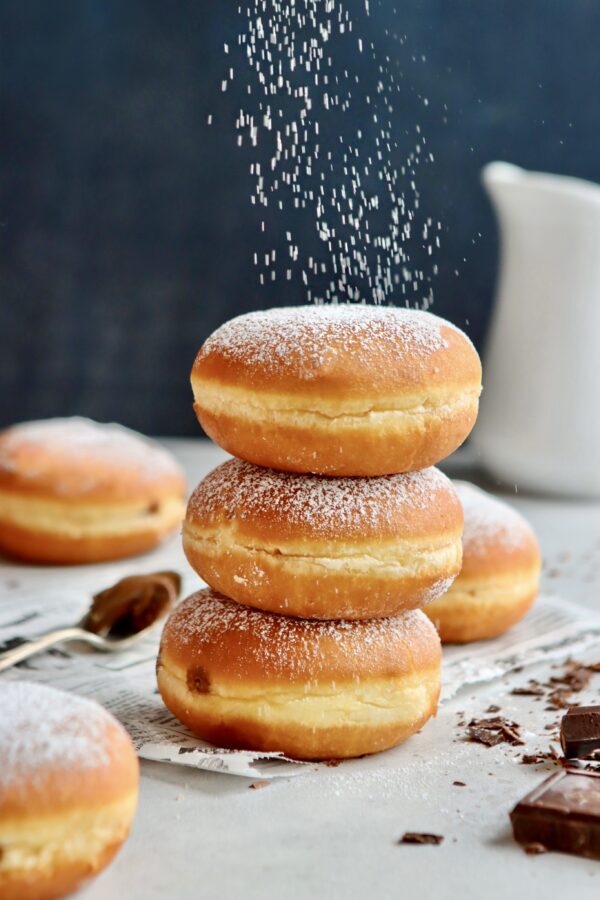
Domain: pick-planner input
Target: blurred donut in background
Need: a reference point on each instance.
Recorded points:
(77, 491)
(500, 573)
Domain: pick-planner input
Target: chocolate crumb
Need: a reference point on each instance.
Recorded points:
(256, 785)
(534, 849)
(416, 837)
(533, 689)
(459, 783)
(533, 759)
(493, 709)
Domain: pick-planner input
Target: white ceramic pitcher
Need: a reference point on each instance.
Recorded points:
(539, 422)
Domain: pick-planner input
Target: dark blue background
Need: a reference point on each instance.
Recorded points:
(127, 234)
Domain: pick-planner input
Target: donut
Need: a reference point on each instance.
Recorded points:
(500, 573)
(68, 790)
(326, 548)
(242, 678)
(338, 390)
(77, 491)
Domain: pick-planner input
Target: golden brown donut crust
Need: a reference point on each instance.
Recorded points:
(348, 390)
(341, 352)
(68, 790)
(500, 575)
(317, 547)
(76, 459)
(243, 678)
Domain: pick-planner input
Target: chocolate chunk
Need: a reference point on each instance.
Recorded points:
(563, 813)
(198, 681)
(580, 731)
(416, 837)
(494, 731)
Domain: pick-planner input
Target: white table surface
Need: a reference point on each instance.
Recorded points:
(333, 832)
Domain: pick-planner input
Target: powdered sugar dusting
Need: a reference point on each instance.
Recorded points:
(78, 440)
(284, 644)
(489, 520)
(41, 728)
(313, 503)
(267, 339)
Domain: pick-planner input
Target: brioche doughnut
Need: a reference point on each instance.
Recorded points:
(500, 574)
(76, 491)
(68, 790)
(243, 678)
(338, 390)
(325, 548)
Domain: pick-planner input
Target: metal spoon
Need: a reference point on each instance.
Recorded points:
(117, 618)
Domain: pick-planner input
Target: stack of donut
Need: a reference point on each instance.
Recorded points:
(328, 532)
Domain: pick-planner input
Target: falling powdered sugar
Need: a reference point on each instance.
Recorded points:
(44, 729)
(312, 503)
(330, 167)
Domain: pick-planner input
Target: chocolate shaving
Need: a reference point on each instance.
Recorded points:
(533, 689)
(416, 837)
(559, 690)
(491, 732)
(533, 759)
(552, 755)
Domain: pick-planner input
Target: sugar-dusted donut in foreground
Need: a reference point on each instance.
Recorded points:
(77, 491)
(326, 548)
(243, 678)
(338, 390)
(500, 574)
(68, 790)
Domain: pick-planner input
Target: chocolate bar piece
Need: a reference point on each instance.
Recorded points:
(580, 731)
(563, 813)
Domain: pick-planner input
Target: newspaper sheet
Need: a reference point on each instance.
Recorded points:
(125, 682)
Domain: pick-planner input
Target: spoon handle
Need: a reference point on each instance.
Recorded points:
(29, 648)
